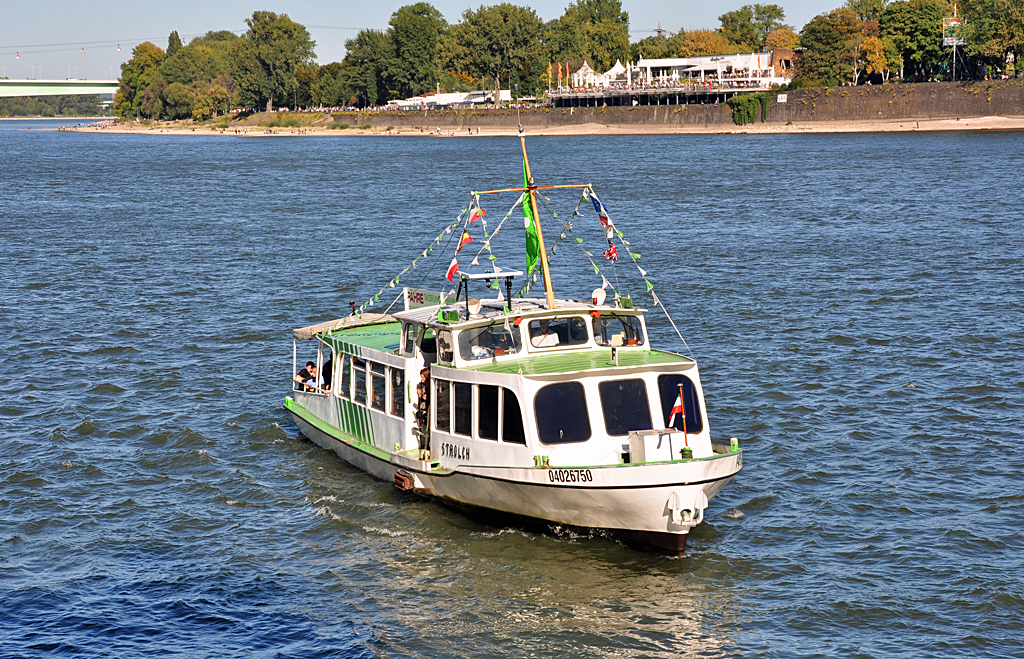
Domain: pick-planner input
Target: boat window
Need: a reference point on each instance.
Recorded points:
(397, 391)
(345, 386)
(445, 348)
(487, 423)
(547, 333)
(378, 385)
(626, 328)
(668, 389)
(625, 406)
(359, 370)
(463, 408)
(443, 406)
(511, 419)
(410, 339)
(562, 413)
(489, 341)
(428, 344)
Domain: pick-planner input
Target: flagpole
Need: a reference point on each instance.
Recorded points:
(536, 220)
(682, 402)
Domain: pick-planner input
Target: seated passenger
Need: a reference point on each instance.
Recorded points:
(307, 377)
(543, 337)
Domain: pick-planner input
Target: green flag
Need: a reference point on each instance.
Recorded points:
(532, 240)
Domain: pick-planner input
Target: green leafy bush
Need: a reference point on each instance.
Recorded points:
(746, 107)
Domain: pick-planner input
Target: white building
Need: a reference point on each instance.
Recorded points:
(449, 99)
(749, 67)
(588, 77)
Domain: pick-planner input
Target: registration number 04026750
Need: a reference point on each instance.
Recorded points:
(570, 476)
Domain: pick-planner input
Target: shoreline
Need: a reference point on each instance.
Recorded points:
(796, 127)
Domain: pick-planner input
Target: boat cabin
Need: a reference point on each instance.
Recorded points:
(576, 384)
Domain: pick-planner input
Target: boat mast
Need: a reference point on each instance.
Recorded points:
(536, 221)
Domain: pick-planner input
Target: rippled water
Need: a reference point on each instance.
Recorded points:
(854, 301)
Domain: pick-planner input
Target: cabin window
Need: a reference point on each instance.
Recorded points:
(346, 377)
(668, 388)
(489, 341)
(445, 349)
(410, 339)
(359, 370)
(561, 411)
(442, 406)
(512, 419)
(378, 386)
(625, 406)
(618, 331)
(397, 391)
(487, 411)
(463, 408)
(547, 333)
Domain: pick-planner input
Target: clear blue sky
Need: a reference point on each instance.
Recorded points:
(30, 27)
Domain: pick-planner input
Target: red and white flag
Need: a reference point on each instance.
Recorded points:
(452, 269)
(677, 408)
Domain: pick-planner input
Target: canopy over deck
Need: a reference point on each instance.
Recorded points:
(311, 332)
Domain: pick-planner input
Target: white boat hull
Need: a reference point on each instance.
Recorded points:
(650, 505)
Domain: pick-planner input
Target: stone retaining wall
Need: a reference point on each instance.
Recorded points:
(938, 100)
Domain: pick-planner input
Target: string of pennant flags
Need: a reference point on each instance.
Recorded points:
(474, 211)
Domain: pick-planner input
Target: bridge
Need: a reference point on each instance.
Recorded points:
(9, 88)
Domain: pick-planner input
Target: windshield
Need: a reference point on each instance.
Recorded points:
(546, 333)
(489, 341)
(618, 331)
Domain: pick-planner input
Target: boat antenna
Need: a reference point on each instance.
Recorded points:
(532, 188)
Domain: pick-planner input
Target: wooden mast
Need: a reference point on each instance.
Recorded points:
(536, 221)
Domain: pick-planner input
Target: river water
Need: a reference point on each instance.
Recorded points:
(855, 304)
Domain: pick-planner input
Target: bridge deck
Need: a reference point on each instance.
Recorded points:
(12, 88)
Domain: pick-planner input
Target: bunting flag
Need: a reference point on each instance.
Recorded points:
(532, 238)
(476, 214)
(453, 267)
(466, 239)
(677, 408)
(612, 254)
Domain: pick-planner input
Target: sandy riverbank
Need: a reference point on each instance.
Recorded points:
(882, 126)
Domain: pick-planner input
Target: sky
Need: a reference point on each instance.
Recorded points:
(59, 39)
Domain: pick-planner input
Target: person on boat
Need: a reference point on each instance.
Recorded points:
(544, 338)
(307, 377)
(423, 408)
(326, 373)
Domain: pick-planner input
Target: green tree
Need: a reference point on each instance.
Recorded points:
(867, 10)
(195, 63)
(264, 62)
(827, 38)
(325, 90)
(173, 43)
(136, 75)
(499, 40)
(414, 33)
(177, 104)
(749, 26)
(994, 30)
(654, 47)
(593, 30)
(361, 77)
(914, 26)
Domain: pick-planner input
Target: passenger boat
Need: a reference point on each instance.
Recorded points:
(537, 409)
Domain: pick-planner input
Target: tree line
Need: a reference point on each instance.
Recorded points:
(500, 46)
(73, 105)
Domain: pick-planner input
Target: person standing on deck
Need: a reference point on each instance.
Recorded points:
(423, 410)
